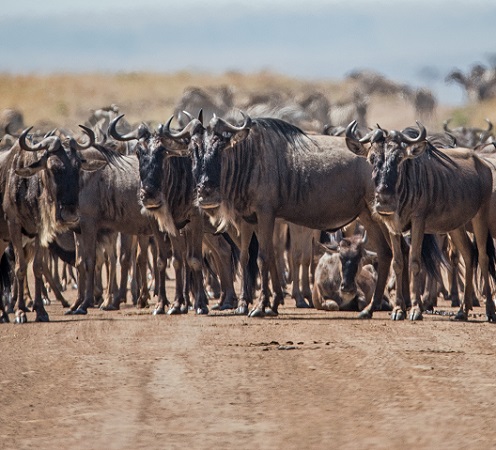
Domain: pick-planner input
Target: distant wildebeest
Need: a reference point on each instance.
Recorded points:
(469, 137)
(422, 189)
(345, 278)
(267, 168)
(41, 200)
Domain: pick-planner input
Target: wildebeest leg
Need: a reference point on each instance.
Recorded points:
(193, 233)
(399, 310)
(378, 238)
(485, 244)
(248, 250)
(178, 253)
(162, 251)
(54, 285)
(453, 276)
(265, 232)
(86, 245)
(20, 273)
(415, 265)
(463, 244)
(142, 265)
(38, 307)
(221, 254)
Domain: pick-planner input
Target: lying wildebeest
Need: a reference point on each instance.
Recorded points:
(267, 168)
(345, 278)
(427, 190)
(41, 200)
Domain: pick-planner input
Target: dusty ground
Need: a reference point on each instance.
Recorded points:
(306, 379)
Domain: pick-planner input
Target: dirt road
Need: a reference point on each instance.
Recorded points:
(306, 379)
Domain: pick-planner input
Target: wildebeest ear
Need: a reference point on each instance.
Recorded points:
(356, 147)
(414, 150)
(239, 136)
(93, 165)
(36, 167)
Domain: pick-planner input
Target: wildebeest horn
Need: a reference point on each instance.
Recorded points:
(200, 115)
(246, 124)
(421, 137)
(187, 131)
(91, 136)
(485, 134)
(51, 143)
(445, 126)
(364, 237)
(350, 130)
(133, 135)
(188, 115)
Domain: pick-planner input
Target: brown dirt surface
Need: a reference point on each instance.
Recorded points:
(305, 379)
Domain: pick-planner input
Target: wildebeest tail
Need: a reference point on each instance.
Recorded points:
(491, 254)
(6, 271)
(234, 252)
(432, 256)
(250, 281)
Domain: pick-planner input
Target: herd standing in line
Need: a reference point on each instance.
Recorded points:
(216, 196)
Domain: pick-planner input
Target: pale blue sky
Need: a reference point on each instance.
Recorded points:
(314, 39)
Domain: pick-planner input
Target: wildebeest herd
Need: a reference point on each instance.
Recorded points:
(364, 219)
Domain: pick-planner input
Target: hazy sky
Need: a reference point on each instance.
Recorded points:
(417, 42)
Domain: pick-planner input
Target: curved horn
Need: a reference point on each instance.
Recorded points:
(246, 124)
(421, 137)
(350, 130)
(47, 143)
(364, 237)
(112, 131)
(485, 134)
(91, 136)
(185, 132)
(445, 126)
(200, 115)
(188, 115)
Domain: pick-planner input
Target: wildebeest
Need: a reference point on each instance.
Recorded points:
(267, 168)
(345, 278)
(41, 200)
(167, 193)
(469, 137)
(422, 189)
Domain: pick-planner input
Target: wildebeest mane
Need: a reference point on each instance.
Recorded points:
(110, 153)
(273, 148)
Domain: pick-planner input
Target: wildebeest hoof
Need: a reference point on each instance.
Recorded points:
(461, 315)
(365, 314)
(455, 303)
(491, 318)
(416, 314)
(174, 310)
(302, 304)
(398, 314)
(42, 317)
(109, 307)
(217, 307)
(4, 318)
(202, 310)
(256, 312)
(184, 309)
(241, 310)
(47, 301)
(80, 312)
(270, 312)
(158, 311)
(21, 317)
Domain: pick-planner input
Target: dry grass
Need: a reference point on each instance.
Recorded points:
(65, 100)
